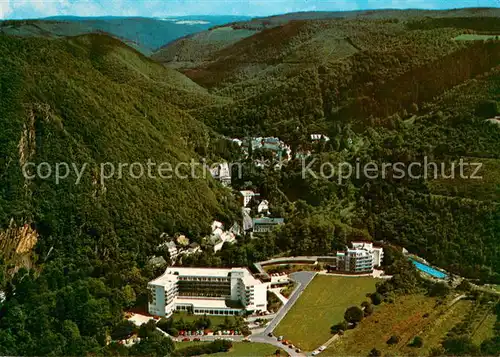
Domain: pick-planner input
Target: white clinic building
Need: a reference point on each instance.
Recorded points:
(206, 291)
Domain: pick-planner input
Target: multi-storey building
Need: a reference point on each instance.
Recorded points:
(361, 258)
(206, 291)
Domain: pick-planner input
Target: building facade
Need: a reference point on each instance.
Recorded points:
(363, 257)
(206, 291)
(266, 224)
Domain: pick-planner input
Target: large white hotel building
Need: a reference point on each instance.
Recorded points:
(206, 291)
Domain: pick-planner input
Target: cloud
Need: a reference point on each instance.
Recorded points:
(5, 9)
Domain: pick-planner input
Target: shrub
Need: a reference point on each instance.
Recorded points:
(205, 349)
(353, 315)
(393, 340)
(341, 326)
(376, 298)
(417, 342)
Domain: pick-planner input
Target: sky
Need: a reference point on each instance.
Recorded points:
(19, 9)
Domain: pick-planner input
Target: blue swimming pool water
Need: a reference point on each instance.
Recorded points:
(429, 270)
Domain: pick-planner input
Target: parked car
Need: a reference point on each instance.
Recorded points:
(185, 339)
(280, 338)
(322, 348)
(298, 350)
(315, 353)
(291, 346)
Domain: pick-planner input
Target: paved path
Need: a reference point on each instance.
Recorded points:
(303, 278)
(331, 340)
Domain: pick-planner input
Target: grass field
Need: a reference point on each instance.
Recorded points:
(216, 320)
(473, 37)
(485, 330)
(320, 306)
(240, 349)
(437, 329)
(407, 317)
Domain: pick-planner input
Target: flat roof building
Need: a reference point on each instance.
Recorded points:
(363, 257)
(206, 291)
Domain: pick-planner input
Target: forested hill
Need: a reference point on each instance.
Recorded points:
(91, 100)
(383, 88)
(144, 34)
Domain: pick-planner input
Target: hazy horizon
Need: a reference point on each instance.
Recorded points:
(24, 9)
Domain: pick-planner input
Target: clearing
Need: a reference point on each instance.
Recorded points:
(474, 37)
(320, 306)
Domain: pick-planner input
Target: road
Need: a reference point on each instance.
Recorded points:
(303, 278)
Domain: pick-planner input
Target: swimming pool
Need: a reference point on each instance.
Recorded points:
(429, 270)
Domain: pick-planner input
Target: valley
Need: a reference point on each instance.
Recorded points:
(231, 112)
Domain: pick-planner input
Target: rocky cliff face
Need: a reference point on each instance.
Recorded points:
(16, 243)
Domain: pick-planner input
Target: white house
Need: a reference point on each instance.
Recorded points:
(206, 291)
(172, 250)
(222, 173)
(317, 137)
(246, 196)
(263, 206)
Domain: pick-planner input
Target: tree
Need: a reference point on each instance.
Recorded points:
(393, 340)
(417, 342)
(341, 326)
(439, 289)
(123, 330)
(129, 296)
(459, 345)
(464, 285)
(368, 309)
(376, 298)
(353, 315)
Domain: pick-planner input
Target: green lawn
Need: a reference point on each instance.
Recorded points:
(320, 306)
(486, 329)
(473, 37)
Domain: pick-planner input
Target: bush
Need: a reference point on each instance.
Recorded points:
(375, 353)
(205, 349)
(368, 308)
(376, 298)
(341, 326)
(123, 330)
(393, 340)
(173, 332)
(417, 342)
(353, 315)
